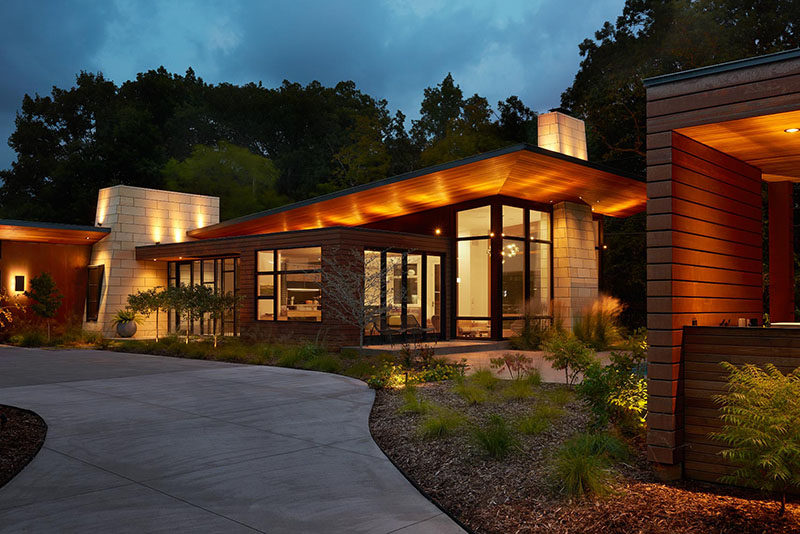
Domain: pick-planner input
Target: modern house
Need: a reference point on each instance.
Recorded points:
(463, 249)
(719, 140)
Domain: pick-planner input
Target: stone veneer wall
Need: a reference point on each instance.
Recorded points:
(575, 269)
(562, 133)
(139, 216)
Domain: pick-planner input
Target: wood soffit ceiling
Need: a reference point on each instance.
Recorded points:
(759, 141)
(36, 232)
(523, 172)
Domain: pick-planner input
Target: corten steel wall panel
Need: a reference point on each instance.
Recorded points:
(781, 251)
(704, 348)
(334, 333)
(66, 263)
(704, 263)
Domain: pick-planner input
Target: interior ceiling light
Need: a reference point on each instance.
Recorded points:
(792, 130)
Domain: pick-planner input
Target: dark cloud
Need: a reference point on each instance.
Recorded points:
(392, 49)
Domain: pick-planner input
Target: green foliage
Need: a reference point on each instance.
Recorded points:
(560, 396)
(582, 464)
(126, 316)
(534, 332)
(326, 363)
(440, 422)
(618, 392)
(9, 305)
(244, 181)
(494, 437)
(599, 327)
(518, 390)
(412, 403)
(484, 378)
(540, 420)
(471, 392)
(45, 296)
(148, 302)
(566, 352)
(760, 413)
(30, 337)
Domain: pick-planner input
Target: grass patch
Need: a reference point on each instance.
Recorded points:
(441, 422)
(471, 392)
(484, 378)
(560, 396)
(540, 420)
(582, 465)
(518, 390)
(412, 403)
(495, 437)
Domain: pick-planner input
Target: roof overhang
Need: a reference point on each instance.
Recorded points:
(521, 171)
(56, 233)
(761, 141)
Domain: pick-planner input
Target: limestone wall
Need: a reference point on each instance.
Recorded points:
(575, 269)
(139, 216)
(562, 133)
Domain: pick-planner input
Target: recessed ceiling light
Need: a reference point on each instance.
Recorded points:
(792, 130)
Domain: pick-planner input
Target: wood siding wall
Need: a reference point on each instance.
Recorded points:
(703, 350)
(334, 333)
(704, 226)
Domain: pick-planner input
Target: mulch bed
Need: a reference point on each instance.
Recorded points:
(519, 494)
(21, 437)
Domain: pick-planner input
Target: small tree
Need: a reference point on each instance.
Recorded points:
(180, 299)
(761, 412)
(565, 351)
(351, 281)
(46, 298)
(8, 305)
(216, 304)
(148, 302)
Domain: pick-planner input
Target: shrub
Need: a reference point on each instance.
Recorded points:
(45, 297)
(327, 363)
(534, 378)
(517, 364)
(359, 369)
(494, 438)
(534, 332)
(471, 392)
(540, 419)
(566, 352)
(440, 371)
(412, 403)
(31, 337)
(440, 422)
(484, 378)
(599, 328)
(760, 413)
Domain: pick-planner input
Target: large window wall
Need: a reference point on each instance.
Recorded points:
(503, 268)
(288, 285)
(405, 292)
(221, 275)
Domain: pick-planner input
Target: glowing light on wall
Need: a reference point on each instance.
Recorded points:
(177, 235)
(200, 220)
(157, 234)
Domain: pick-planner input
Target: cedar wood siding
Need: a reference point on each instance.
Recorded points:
(704, 228)
(334, 334)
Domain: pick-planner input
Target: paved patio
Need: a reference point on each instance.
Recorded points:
(149, 444)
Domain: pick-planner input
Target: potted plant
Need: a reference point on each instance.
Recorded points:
(126, 321)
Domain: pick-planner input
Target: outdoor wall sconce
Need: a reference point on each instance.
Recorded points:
(19, 283)
(792, 130)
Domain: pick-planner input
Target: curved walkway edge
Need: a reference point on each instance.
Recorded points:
(141, 443)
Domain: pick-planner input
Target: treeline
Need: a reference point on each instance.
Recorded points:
(253, 146)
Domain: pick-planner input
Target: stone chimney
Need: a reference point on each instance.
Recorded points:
(562, 133)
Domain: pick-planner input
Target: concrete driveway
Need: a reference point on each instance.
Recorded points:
(150, 444)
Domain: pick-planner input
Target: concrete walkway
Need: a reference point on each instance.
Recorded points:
(149, 444)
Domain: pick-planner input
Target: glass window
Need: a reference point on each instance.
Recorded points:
(513, 289)
(300, 259)
(299, 296)
(266, 285)
(372, 291)
(473, 278)
(513, 222)
(266, 261)
(433, 305)
(184, 274)
(540, 225)
(540, 278)
(394, 280)
(266, 309)
(474, 222)
(414, 291)
(472, 328)
(208, 272)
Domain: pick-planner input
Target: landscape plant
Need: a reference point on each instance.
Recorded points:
(566, 352)
(46, 298)
(583, 464)
(494, 437)
(517, 364)
(148, 302)
(213, 305)
(760, 412)
(8, 306)
(440, 422)
(126, 315)
(599, 327)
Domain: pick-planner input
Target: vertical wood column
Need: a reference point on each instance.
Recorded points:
(496, 272)
(781, 251)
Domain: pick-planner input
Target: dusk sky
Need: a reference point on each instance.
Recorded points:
(392, 49)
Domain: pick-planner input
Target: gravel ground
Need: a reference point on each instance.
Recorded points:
(519, 493)
(21, 437)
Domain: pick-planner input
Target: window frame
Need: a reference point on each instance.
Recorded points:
(276, 272)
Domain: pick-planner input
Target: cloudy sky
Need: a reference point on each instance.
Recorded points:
(392, 49)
